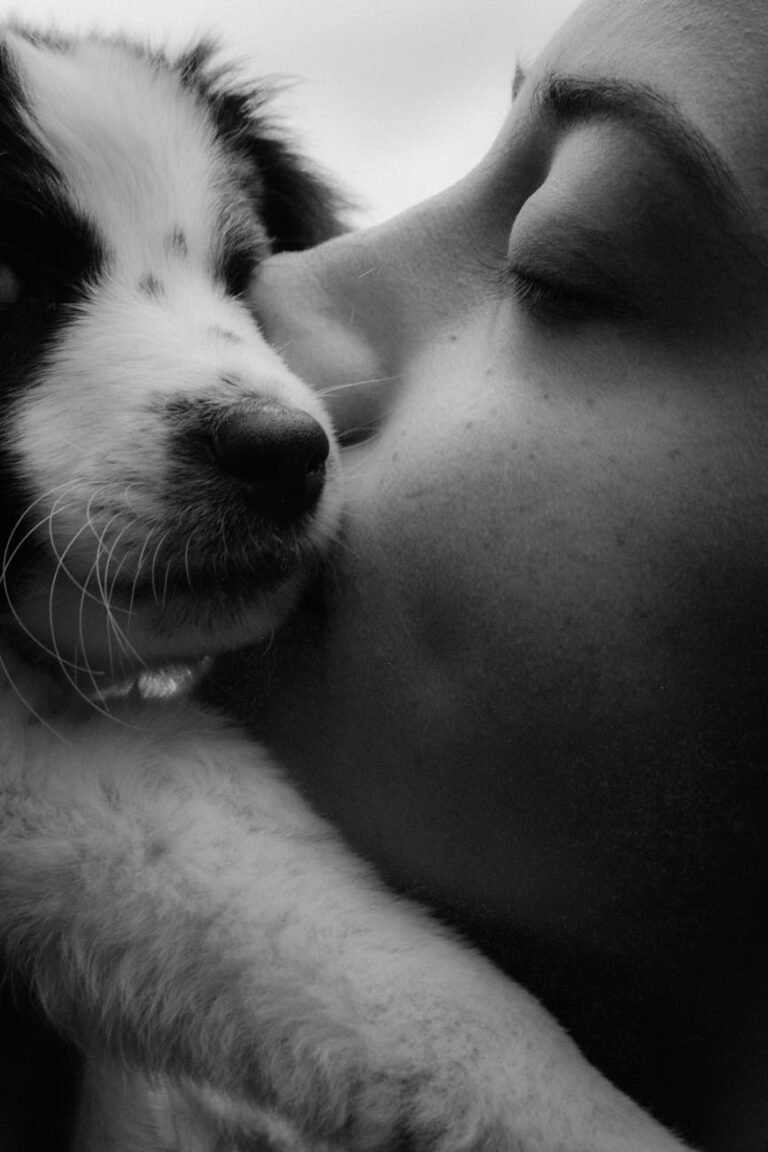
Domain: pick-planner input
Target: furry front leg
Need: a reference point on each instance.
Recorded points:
(178, 908)
(125, 894)
(123, 1110)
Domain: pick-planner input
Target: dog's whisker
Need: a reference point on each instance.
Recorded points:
(124, 645)
(58, 571)
(166, 578)
(187, 547)
(121, 634)
(153, 566)
(95, 576)
(114, 630)
(100, 571)
(333, 389)
(81, 629)
(111, 584)
(127, 499)
(59, 659)
(148, 539)
(94, 701)
(8, 555)
(124, 561)
(24, 626)
(61, 564)
(132, 520)
(87, 525)
(82, 586)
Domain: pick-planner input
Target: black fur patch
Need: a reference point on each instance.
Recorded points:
(56, 256)
(297, 206)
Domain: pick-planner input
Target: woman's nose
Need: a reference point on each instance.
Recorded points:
(331, 315)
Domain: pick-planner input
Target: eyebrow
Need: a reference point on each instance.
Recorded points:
(570, 100)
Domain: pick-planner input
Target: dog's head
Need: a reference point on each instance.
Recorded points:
(165, 479)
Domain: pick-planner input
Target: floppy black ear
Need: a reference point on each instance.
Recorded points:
(298, 206)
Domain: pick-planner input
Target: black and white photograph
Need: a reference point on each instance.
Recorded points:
(383, 611)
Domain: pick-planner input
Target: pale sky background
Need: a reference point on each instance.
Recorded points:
(397, 98)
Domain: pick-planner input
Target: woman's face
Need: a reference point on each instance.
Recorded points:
(537, 685)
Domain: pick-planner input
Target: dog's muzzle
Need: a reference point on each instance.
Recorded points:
(276, 454)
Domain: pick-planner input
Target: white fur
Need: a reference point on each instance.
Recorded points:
(135, 155)
(142, 164)
(231, 970)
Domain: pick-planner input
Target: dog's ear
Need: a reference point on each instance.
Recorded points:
(298, 206)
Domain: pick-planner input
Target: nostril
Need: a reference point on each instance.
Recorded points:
(276, 453)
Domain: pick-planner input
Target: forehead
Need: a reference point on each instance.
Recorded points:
(130, 144)
(710, 63)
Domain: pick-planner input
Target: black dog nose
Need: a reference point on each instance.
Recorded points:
(277, 454)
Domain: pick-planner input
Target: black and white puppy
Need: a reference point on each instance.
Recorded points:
(167, 484)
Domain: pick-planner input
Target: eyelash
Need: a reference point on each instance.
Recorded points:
(546, 298)
(539, 295)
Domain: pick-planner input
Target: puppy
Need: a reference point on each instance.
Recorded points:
(175, 908)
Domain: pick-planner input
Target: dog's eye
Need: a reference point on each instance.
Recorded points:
(11, 284)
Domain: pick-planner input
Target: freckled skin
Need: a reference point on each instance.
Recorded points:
(537, 696)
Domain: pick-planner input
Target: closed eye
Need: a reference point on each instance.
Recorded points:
(545, 296)
(534, 292)
(537, 294)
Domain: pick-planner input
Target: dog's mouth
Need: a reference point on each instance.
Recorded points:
(118, 594)
(219, 578)
(207, 554)
(105, 623)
